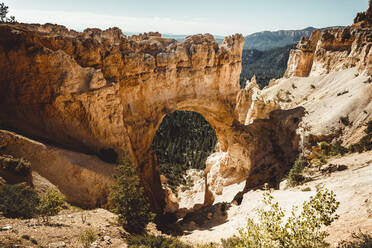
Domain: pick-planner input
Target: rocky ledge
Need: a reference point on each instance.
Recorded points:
(333, 50)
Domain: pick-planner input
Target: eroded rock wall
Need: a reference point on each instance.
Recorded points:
(104, 93)
(333, 50)
(84, 179)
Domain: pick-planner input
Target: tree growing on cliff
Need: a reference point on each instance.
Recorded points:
(128, 199)
(3, 12)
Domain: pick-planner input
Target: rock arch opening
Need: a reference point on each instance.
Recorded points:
(183, 141)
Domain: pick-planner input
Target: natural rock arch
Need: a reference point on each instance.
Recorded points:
(102, 91)
(197, 91)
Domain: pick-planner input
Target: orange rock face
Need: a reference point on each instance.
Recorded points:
(333, 50)
(104, 93)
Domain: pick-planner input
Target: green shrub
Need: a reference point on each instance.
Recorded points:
(128, 199)
(365, 143)
(307, 189)
(325, 148)
(319, 159)
(356, 148)
(230, 242)
(303, 230)
(87, 237)
(338, 149)
(209, 245)
(295, 175)
(150, 241)
(360, 240)
(51, 203)
(16, 165)
(369, 128)
(18, 201)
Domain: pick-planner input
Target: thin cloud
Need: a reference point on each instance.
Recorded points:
(82, 20)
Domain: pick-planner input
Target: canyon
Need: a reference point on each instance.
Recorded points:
(100, 92)
(74, 104)
(103, 95)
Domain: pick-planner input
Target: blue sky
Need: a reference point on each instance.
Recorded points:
(219, 17)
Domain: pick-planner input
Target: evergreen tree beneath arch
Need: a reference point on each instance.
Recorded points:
(183, 141)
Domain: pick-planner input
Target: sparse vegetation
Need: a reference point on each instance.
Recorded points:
(319, 155)
(295, 175)
(337, 149)
(51, 203)
(22, 201)
(307, 189)
(300, 230)
(18, 201)
(87, 237)
(150, 241)
(19, 166)
(365, 143)
(360, 240)
(312, 86)
(303, 167)
(128, 199)
(324, 149)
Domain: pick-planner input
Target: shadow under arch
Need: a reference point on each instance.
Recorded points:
(217, 113)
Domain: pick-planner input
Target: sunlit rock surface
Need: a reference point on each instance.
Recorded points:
(104, 93)
(333, 50)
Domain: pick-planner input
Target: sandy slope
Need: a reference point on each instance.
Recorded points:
(326, 99)
(353, 188)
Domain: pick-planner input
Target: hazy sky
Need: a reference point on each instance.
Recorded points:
(220, 17)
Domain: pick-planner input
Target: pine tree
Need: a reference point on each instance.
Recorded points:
(3, 12)
(128, 199)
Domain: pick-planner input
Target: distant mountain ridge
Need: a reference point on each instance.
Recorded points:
(179, 37)
(267, 40)
(266, 65)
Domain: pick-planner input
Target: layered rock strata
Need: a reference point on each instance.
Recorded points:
(333, 50)
(104, 93)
